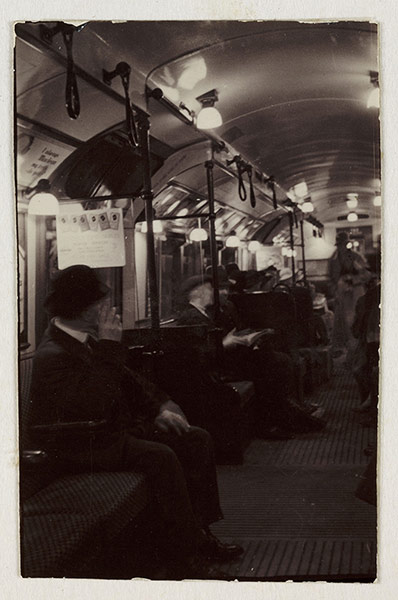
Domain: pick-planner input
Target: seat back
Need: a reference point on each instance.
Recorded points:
(304, 316)
(192, 345)
(32, 477)
(24, 378)
(274, 310)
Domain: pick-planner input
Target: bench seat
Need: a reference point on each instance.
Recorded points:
(68, 520)
(64, 521)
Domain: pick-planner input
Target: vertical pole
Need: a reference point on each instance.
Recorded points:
(160, 250)
(303, 251)
(147, 196)
(209, 164)
(292, 246)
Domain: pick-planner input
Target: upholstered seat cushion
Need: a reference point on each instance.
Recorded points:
(74, 513)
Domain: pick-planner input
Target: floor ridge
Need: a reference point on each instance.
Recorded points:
(295, 510)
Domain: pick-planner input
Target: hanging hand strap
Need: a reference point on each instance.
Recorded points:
(252, 196)
(72, 100)
(271, 183)
(241, 186)
(131, 129)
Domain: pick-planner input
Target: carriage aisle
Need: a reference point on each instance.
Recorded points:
(292, 504)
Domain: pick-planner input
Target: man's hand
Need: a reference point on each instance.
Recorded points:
(231, 340)
(109, 324)
(171, 421)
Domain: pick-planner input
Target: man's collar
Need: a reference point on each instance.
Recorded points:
(199, 308)
(80, 336)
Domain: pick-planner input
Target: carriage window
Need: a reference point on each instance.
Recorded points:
(22, 277)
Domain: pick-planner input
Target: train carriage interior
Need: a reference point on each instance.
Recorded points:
(240, 157)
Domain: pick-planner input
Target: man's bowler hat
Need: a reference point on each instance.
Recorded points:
(194, 282)
(73, 290)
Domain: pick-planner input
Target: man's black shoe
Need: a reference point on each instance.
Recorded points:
(213, 549)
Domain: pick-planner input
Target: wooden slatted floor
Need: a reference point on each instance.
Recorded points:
(292, 504)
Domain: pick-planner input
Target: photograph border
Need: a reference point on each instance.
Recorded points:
(384, 13)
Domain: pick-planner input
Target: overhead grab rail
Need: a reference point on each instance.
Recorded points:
(218, 146)
(200, 196)
(43, 42)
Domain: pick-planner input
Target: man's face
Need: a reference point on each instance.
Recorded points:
(206, 294)
(92, 313)
(223, 294)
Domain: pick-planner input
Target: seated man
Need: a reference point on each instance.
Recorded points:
(249, 358)
(79, 374)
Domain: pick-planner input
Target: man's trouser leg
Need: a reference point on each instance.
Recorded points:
(194, 450)
(167, 483)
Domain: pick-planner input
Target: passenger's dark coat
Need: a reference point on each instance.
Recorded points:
(74, 382)
(272, 373)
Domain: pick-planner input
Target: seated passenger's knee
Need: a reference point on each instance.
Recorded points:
(198, 442)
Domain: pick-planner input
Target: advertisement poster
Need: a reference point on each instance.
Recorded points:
(94, 238)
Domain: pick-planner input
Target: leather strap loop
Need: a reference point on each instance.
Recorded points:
(252, 196)
(72, 99)
(130, 122)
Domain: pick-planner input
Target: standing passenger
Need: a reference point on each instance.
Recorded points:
(348, 273)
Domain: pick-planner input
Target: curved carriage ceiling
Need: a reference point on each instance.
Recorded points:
(292, 95)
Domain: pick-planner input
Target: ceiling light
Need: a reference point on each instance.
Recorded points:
(182, 212)
(209, 117)
(254, 246)
(352, 216)
(300, 190)
(200, 204)
(377, 200)
(43, 202)
(352, 200)
(232, 241)
(307, 206)
(198, 235)
(167, 197)
(156, 226)
(173, 207)
(348, 245)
